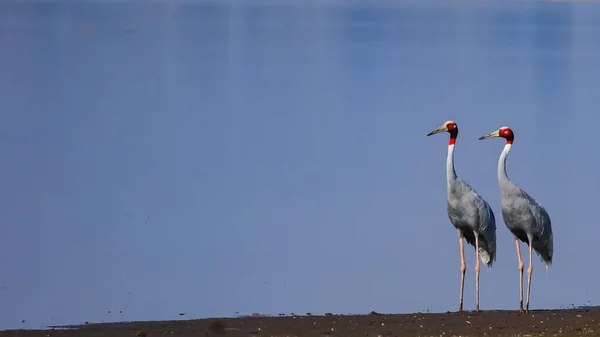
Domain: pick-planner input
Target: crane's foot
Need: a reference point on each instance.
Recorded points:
(521, 310)
(460, 309)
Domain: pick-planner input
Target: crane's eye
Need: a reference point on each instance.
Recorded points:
(505, 133)
(451, 126)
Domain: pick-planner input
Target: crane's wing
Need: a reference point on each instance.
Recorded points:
(486, 226)
(487, 223)
(543, 241)
(487, 220)
(486, 217)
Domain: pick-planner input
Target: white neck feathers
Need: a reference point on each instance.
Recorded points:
(450, 173)
(502, 176)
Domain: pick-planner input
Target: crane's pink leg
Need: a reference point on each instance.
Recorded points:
(529, 272)
(521, 266)
(463, 268)
(477, 272)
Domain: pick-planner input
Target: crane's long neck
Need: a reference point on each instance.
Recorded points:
(502, 176)
(450, 172)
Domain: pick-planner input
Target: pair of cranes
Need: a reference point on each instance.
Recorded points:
(474, 219)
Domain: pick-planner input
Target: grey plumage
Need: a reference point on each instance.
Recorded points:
(527, 219)
(472, 216)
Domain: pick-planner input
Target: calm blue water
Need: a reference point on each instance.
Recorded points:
(249, 156)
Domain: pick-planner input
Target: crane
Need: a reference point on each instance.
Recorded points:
(524, 216)
(470, 214)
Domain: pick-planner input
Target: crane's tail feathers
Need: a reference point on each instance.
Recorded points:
(487, 248)
(485, 257)
(546, 260)
(545, 252)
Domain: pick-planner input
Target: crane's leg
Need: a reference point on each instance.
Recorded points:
(529, 272)
(463, 268)
(521, 267)
(476, 272)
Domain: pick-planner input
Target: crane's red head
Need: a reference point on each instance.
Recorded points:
(504, 132)
(450, 127)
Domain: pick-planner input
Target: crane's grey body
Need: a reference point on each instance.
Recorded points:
(524, 216)
(470, 214)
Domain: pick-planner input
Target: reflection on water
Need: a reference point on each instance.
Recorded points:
(153, 144)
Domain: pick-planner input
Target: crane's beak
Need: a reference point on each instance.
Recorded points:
(491, 135)
(442, 128)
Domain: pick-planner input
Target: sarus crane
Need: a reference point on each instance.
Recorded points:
(470, 214)
(524, 216)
